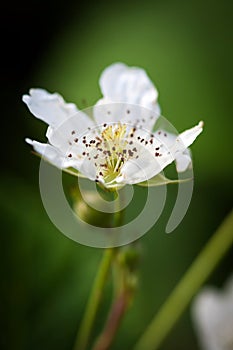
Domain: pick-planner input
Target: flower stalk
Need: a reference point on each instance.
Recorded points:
(94, 301)
(125, 282)
(116, 314)
(199, 271)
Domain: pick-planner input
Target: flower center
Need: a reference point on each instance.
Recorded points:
(104, 152)
(114, 149)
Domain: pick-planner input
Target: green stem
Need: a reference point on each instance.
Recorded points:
(94, 301)
(97, 290)
(199, 271)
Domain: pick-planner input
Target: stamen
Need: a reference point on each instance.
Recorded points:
(110, 149)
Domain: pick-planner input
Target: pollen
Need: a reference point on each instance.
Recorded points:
(113, 139)
(114, 133)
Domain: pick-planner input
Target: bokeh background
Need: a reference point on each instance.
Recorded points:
(186, 48)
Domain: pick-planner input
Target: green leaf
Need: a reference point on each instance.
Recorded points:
(160, 180)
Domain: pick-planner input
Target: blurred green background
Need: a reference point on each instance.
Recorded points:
(186, 48)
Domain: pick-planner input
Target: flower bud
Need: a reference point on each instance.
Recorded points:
(85, 209)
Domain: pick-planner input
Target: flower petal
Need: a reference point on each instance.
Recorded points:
(68, 133)
(61, 161)
(189, 136)
(147, 163)
(126, 113)
(120, 83)
(142, 169)
(183, 161)
(51, 108)
(183, 157)
(66, 122)
(50, 153)
(212, 312)
(153, 158)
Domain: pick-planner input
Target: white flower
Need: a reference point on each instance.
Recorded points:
(118, 145)
(213, 318)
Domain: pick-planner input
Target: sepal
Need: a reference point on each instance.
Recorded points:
(160, 180)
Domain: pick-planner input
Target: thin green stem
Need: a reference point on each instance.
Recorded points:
(94, 301)
(119, 214)
(199, 271)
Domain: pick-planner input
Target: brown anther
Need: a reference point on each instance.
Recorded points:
(130, 153)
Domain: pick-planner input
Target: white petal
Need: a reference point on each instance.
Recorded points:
(88, 168)
(120, 83)
(183, 161)
(68, 133)
(66, 122)
(189, 136)
(53, 155)
(206, 312)
(136, 171)
(153, 158)
(212, 313)
(51, 108)
(62, 161)
(181, 153)
(142, 169)
(133, 115)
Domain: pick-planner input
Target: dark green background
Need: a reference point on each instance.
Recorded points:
(186, 48)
